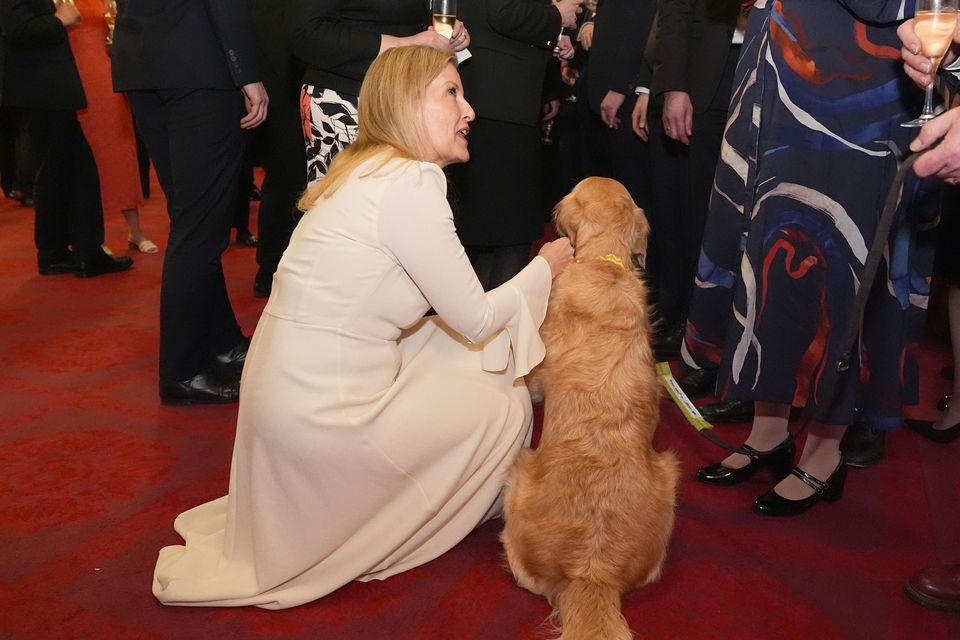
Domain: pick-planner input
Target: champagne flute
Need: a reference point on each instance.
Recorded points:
(110, 17)
(444, 16)
(110, 13)
(934, 23)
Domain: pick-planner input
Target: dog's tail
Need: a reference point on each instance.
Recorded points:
(591, 611)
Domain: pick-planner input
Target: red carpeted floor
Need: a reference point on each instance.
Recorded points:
(94, 471)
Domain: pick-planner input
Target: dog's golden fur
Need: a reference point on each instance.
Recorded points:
(589, 513)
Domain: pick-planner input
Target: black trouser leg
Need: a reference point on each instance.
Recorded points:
(626, 157)
(284, 162)
(197, 148)
(669, 172)
(66, 188)
(8, 149)
(241, 208)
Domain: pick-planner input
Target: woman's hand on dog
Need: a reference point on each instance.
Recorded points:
(558, 255)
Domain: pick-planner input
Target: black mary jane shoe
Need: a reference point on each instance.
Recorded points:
(925, 428)
(779, 464)
(830, 490)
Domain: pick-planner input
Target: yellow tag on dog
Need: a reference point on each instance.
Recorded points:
(686, 405)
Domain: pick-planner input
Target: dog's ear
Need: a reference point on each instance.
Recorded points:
(565, 219)
(641, 231)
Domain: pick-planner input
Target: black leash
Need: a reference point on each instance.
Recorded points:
(852, 331)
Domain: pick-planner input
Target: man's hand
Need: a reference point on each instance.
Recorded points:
(255, 98)
(67, 13)
(943, 161)
(568, 12)
(550, 110)
(568, 74)
(609, 107)
(678, 116)
(585, 37)
(639, 117)
(564, 49)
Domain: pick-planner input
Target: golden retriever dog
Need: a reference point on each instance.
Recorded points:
(588, 515)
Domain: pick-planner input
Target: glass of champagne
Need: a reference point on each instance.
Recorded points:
(110, 13)
(110, 17)
(445, 16)
(934, 24)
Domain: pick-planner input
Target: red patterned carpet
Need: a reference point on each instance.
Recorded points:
(94, 471)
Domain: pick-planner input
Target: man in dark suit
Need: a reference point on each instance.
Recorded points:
(41, 81)
(190, 70)
(284, 155)
(498, 207)
(693, 48)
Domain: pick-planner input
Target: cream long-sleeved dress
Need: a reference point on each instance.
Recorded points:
(369, 440)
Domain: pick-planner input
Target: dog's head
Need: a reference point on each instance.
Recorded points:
(601, 207)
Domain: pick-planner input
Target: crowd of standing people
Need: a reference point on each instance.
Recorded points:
(760, 137)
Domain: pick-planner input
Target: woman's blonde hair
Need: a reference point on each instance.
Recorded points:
(387, 115)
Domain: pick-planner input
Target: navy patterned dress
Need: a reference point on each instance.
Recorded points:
(812, 144)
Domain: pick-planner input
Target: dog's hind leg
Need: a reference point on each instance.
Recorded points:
(523, 577)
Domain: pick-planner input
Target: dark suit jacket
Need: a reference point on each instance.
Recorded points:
(183, 44)
(511, 42)
(689, 45)
(39, 69)
(619, 33)
(277, 61)
(339, 39)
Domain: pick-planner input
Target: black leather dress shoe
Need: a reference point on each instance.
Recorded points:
(698, 382)
(101, 264)
(925, 428)
(247, 239)
(863, 446)
(56, 267)
(20, 196)
(830, 490)
(262, 284)
(779, 464)
(231, 362)
(729, 411)
(207, 387)
(667, 343)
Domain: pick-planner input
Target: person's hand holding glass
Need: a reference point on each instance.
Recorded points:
(933, 27)
(67, 13)
(446, 24)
